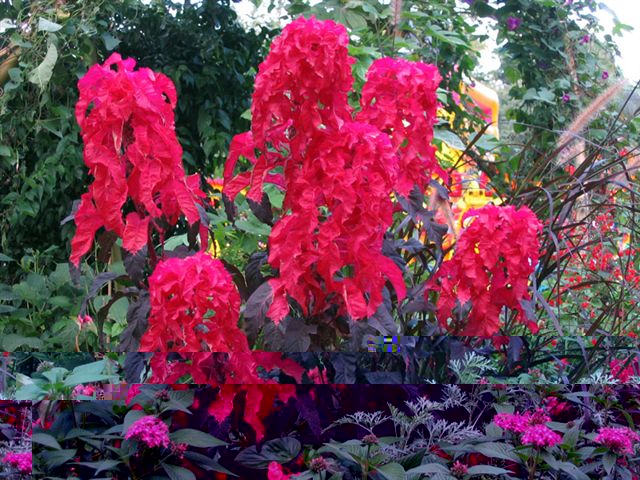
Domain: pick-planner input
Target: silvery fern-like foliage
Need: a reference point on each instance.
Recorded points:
(421, 425)
(367, 421)
(471, 368)
(599, 377)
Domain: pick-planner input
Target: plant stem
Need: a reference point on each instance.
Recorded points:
(365, 467)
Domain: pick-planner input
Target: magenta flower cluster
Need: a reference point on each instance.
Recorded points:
(540, 436)
(22, 461)
(531, 425)
(150, 430)
(520, 422)
(619, 439)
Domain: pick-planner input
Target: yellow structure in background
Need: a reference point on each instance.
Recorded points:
(215, 199)
(469, 187)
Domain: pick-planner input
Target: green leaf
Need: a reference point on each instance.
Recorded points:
(30, 392)
(487, 470)
(89, 373)
(571, 470)
(45, 25)
(281, 450)
(195, 438)
(3, 257)
(12, 342)
(497, 450)
(428, 468)
(391, 471)
(46, 440)
(570, 437)
(608, 462)
(42, 73)
(110, 42)
(178, 473)
(207, 463)
(55, 458)
(355, 21)
(253, 226)
(449, 138)
(101, 465)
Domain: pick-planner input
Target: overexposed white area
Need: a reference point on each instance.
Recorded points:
(628, 12)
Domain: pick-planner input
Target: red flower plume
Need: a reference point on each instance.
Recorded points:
(127, 124)
(329, 250)
(301, 88)
(490, 269)
(399, 97)
(194, 307)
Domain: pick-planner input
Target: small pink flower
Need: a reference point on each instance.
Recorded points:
(512, 422)
(585, 39)
(178, 449)
(566, 98)
(84, 390)
(605, 75)
(149, 430)
(83, 320)
(513, 23)
(541, 436)
(619, 439)
(459, 469)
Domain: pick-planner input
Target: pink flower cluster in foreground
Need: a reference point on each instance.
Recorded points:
(540, 436)
(619, 439)
(149, 430)
(532, 427)
(20, 460)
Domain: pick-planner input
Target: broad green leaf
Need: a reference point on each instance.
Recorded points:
(207, 463)
(55, 374)
(88, 373)
(449, 138)
(45, 25)
(355, 20)
(102, 465)
(178, 473)
(46, 440)
(573, 471)
(110, 42)
(281, 450)
(195, 438)
(487, 470)
(497, 450)
(428, 468)
(12, 342)
(608, 462)
(253, 226)
(42, 73)
(391, 471)
(55, 458)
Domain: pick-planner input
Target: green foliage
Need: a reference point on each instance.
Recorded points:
(555, 57)
(210, 58)
(201, 47)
